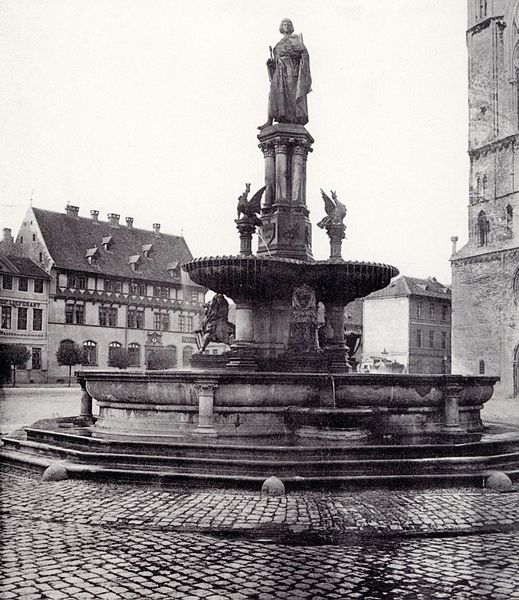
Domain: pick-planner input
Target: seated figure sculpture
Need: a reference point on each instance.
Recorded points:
(215, 326)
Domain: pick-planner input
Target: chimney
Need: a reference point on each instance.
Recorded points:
(8, 236)
(72, 211)
(156, 229)
(129, 222)
(113, 219)
(454, 240)
(95, 215)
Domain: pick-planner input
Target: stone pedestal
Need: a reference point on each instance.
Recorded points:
(452, 409)
(86, 403)
(246, 227)
(286, 229)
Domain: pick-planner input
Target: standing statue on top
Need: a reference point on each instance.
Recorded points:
(290, 79)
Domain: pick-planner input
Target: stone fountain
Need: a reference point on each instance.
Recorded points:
(286, 402)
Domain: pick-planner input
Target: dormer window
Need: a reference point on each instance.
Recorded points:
(91, 254)
(147, 250)
(174, 269)
(134, 261)
(107, 242)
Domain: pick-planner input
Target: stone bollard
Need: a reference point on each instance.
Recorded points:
(273, 486)
(499, 481)
(55, 472)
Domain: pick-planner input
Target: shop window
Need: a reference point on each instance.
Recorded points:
(36, 359)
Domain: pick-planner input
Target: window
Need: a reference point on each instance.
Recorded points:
(509, 216)
(431, 311)
(138, 288)
(483, 228)
(75, 313)
(419, 338)
(194, 296)
(181, 323)
(38, 286)
(485, 182)
(108, 316)
(187, 352)
(111, 347)
(190, 324)
(161, 321)
(36, 359)
(134, 355)
(482, 9)
(33, 237)
(40, 257)
(445, 308)
(22, 318)
(37, 319)
(444, 340)
(172, 353)
(111, 285)
(89, 353)
(481, 367)
(6, 317)
(136, 318)
(23, 284)
(8, 282)
(160, 291)
(431, 339)
(77, 281)
(419, 310)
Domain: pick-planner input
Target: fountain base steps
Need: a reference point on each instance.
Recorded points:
(298, 462)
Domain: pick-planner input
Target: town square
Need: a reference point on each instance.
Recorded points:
(300, 379)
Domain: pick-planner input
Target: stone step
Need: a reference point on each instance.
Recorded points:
(261, 467)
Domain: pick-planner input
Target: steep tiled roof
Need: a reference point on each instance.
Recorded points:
(413, 286)
(71, 239)
(16, 265)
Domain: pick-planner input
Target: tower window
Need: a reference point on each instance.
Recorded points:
(483, 227)
(481, 367)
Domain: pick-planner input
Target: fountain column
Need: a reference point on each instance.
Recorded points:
(86, 402)
(286, 228)
(244, 348)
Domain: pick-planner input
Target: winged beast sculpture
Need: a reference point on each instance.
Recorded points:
(335, 211)
(250, 208)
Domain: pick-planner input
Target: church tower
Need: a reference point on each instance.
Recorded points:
(485, 272)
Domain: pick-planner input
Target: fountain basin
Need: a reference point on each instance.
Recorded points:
(270, 404)
(269, 278)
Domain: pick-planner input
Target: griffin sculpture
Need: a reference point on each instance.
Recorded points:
(335, 211)
(250, 208)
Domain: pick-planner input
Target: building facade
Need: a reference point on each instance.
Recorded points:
(24, 293)
(409, 323)
(112, 286)
(485, 271)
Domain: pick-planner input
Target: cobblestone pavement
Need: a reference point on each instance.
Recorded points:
(75, 539)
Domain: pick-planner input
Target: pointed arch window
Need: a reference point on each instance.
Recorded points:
(482, 228)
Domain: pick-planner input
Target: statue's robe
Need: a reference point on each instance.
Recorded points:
(291, 82)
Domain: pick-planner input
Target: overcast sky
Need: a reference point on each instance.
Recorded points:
(149, 109)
